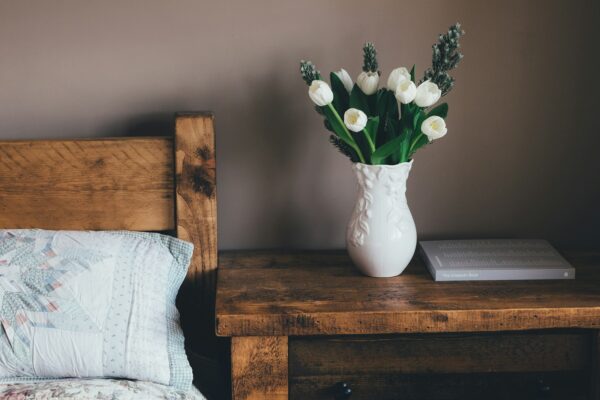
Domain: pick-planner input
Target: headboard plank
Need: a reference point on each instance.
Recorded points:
(196, 216)
(130, 183)
(97, 184)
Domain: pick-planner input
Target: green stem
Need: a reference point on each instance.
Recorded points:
(350, 140)
(405, 153)
(404, 146)
(414, 143)
(368, 136)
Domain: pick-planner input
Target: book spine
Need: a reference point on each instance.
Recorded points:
(504, 274)
(428, 264)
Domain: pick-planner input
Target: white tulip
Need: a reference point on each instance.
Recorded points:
(368, 82)
(320, 93)
(434, 127)
(355, 120)
(428, 94)
(396, 76)
(345, 78)
(406, 91)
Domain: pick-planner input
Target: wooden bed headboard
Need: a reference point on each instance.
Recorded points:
(162, 184)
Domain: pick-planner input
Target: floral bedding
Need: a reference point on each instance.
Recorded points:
(94, 389)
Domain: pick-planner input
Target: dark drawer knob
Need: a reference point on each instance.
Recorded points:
(342, 391)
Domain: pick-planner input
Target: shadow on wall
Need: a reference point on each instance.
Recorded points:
(267, 158)
(158, 123)
(267, 162)
(150, 124)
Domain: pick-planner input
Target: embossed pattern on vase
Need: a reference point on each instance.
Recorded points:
(381, 234)
(359, 223)
(395, 185)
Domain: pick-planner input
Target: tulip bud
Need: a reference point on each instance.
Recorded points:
(355, 120)
(428, 94)
(368, 82)
(345, 78)
(434, 127)
(320, 93)
(396, 76)
(406, 91)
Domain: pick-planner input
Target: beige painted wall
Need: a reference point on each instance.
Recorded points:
(520, 159)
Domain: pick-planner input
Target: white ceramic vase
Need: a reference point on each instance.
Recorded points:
(381, 236)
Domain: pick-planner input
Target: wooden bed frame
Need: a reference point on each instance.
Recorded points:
(164, 184)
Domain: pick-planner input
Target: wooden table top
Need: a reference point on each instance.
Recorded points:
(275, 293)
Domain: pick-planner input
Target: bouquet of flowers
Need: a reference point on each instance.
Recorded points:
(386, 126)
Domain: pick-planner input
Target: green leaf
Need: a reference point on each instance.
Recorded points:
(372, 102)
(387, 108)
(418, 122)
(372, 127)
(337, 127)
(405, 114)
(386, 150)
(359, 100)
(416, 117)
(412, 73)
(380, 97)
(392, 127)
(341, 97)
(404, 146)
(422, 141)
(440, 111)
(386, 103)
(384, 96)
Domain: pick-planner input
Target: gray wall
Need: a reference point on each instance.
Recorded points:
(520, 159)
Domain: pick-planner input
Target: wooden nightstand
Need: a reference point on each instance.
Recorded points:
(304, 323)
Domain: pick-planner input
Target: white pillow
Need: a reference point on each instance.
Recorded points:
(92, 304)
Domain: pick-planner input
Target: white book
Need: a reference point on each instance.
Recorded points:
(494, 259)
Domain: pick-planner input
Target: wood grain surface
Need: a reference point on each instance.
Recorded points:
(321, 293)
(564, 385)
(196, 219)
(259, 368)
(196, 201)
(97, 184)
(440, 353)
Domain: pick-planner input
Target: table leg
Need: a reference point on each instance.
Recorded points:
(259, 368)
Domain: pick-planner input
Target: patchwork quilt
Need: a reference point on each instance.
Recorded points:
(91, 304)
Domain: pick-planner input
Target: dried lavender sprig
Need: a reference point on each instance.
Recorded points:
(344, 148)
(309, 72)
(446, 56)
(370, 63)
